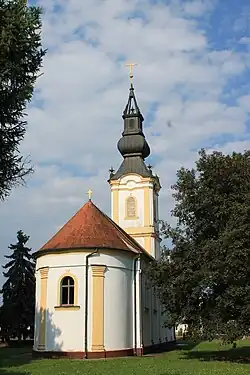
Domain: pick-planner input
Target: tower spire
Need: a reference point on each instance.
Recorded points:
(133, 142)
(134, 187)
(132, 107)
(132, 145)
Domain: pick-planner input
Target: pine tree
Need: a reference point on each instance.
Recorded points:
(204, 278)
(19, 289)
(21, 56)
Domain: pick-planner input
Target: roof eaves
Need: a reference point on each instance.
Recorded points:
(40, 252)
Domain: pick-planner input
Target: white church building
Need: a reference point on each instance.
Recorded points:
(93, 299)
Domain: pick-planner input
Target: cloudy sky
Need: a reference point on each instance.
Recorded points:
(193, 70)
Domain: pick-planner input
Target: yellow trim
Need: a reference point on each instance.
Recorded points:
(144, 235)
(59, 289)
(114, 182)
(43, 305)
(143, 179)
(147, 221)
(117, 183)
(149, 186)
(131, 218)
(140, 231)
(135, 217)
(125, 188)
(68, 308)
(115, 208)
(148, 245)
(98, 308)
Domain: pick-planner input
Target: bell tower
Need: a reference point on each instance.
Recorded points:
(134, 188)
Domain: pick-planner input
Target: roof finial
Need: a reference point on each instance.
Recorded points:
(130, 66)
(90, 192)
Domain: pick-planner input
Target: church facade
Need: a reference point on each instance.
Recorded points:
(93, 299)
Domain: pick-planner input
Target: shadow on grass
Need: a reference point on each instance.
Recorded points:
(186, 345)
(175, 346)
(14, 357)
(9, 372)
(10, 357)
(238, 355)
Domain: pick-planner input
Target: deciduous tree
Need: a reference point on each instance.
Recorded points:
(204, 278)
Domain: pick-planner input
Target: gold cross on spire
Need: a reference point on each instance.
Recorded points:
(90, 192)
(130, 66)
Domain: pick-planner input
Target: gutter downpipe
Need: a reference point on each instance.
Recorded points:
(135, 302)
(137, 269)
(86, 302)
(142, 309)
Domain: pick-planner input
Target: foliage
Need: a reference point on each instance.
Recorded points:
(204, 279)
(17, 312)
(21, 57)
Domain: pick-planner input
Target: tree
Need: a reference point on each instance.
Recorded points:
(18, 291)
(204, 278)
(21, 56)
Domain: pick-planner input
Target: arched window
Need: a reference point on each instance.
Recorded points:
(131, 207)
(67, 291)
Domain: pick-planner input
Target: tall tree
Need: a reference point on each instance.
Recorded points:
(19, 289)
(21, 56)
(204, 278)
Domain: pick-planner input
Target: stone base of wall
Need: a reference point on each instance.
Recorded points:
(157, 348)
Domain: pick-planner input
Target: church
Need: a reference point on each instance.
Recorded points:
(93, 299)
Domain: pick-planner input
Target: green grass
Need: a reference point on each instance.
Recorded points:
(202, 359)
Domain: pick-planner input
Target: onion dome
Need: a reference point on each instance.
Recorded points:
(132, 145)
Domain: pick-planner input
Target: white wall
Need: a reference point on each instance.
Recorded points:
(118, 301)
(132, 184)
(118, 316)
(37, 311)
(131, 223)
(154, 331)
(65, 329)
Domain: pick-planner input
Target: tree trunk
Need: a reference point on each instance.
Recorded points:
(19, 335)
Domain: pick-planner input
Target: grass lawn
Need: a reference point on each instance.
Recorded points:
(202, 359)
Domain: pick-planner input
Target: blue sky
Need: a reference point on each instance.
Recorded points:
(193, 70)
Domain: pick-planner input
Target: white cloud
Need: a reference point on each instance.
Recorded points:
(197, 7)
(244, 102)
(84, 89)
(244, 40)
(241, 24)
(236, 146)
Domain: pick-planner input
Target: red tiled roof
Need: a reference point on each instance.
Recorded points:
(91, 228)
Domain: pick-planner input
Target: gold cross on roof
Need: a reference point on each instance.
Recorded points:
(130, 66)
(90, 192)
